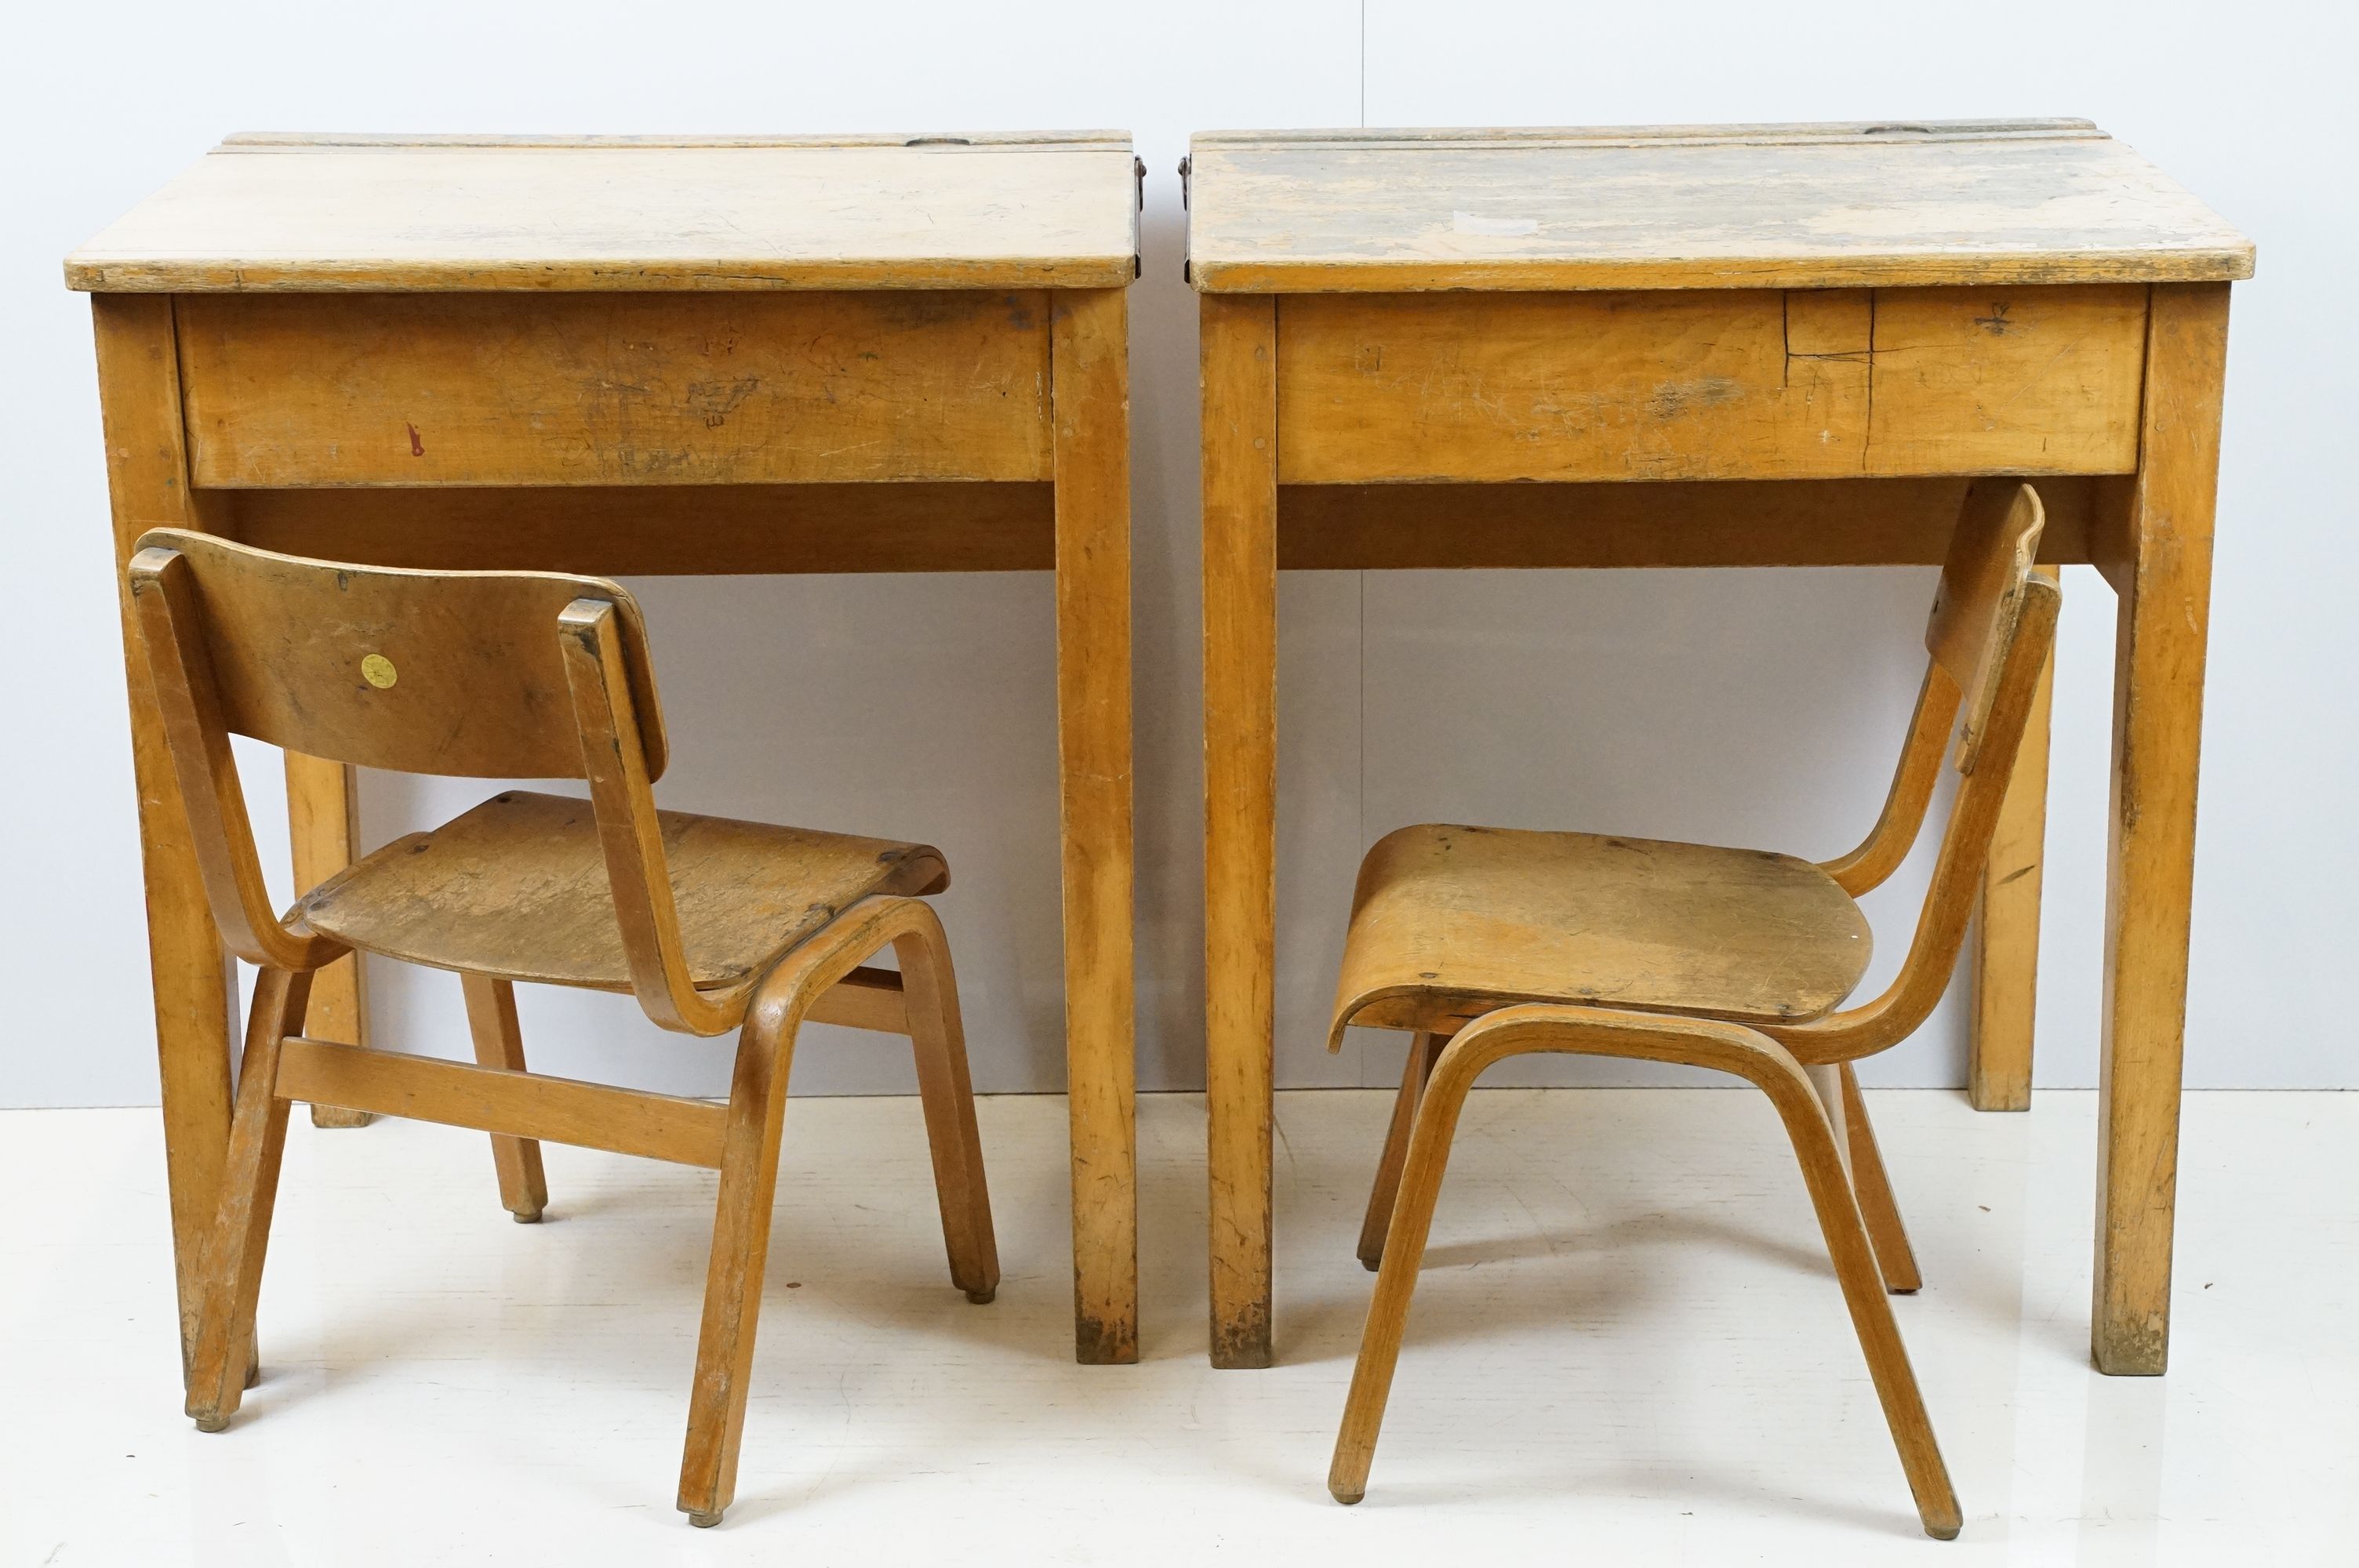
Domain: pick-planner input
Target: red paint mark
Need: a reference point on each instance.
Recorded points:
(417, 446)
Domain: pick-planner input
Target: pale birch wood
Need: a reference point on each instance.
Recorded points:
(1724, 1047)
(222, 1358)
(557, 214)
(1708, 385)
(1699, 207)
(2164, 577)
(499, 1043)
(147, 473)
(1878, 1205)
(487, 389)
(1092, 379)
(1240, 544)
(1424, 1050)
(323, 828)
(2006, 926)
(515, 1104)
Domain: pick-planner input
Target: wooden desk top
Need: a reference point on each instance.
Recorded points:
(299, 212)
(1826, 206)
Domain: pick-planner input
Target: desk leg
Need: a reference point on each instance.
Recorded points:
(2158, 552)
(324, 825)
(1240, 512)
(1091, 385)
(147, 473)
(2007, 928)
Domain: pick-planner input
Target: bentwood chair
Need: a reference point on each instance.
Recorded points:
(1486, 943)
(712, 924)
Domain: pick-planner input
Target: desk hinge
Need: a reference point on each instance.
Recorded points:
(1187, 267)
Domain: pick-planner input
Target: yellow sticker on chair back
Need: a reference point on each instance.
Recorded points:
(378, 671)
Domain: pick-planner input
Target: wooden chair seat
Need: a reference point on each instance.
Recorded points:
(1449, 922)
(517, 888)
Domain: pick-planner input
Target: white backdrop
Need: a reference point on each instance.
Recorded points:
(1759, 707)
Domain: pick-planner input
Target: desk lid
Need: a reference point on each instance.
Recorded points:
(315, 212)
(1816, 206)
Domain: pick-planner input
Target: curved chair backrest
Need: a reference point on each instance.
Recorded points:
(493, 675)
(418, 672)
(1993, 625)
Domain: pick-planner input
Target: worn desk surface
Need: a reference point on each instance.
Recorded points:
(644, 355)
(468, 213)
(1693, 206)
(1757, 345)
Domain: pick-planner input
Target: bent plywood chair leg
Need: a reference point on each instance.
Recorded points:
(224, 1354)
(1725, 1047)
(1872, 1184)
(499, 1043)
(1424, 1049)
(741, 1251)
(1862, 1284)
(929, 995)
(1434, 1124)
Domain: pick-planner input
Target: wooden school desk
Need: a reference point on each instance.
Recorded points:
(1746, 345)
(623, 355)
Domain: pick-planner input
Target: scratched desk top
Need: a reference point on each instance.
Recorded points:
(312, 212)
(1825, 206)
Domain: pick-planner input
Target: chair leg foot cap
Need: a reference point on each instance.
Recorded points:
(532, 1218)
(1346, 1499)
(704, 1521)
(1944, 1532)
(212, 1423)
(983, 1298)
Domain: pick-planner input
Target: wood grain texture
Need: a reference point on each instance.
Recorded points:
(2159, 645)
(1240, 522)
(615, 389)
(749, 1170)
(1424, 1050)
(469, 682)
(1695, 207)
(323, 829)
(1092, 379)
(1708, 385)
(222, 1358)
(655, 530)
(535, 1106)
(2014, 639)
(1721, 1047)
(499, 1038)
(517, 888)
(1878, 1205)
(1448, 923)
(147, 483)
(542, 214)
(1911, 795)
(2006, 381)
(2006, 926)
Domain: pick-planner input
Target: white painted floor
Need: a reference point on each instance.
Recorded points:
(1627, 1349)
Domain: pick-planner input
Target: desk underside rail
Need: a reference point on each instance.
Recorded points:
(658, 530)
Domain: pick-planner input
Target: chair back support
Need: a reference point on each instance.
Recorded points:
(1993, 626)
(1979, 604)
(418, 672)
(499, 675)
